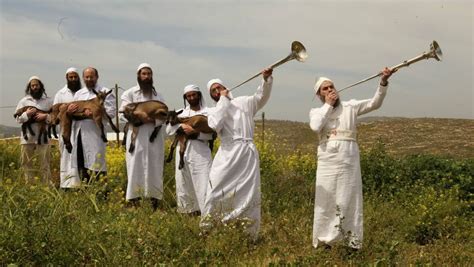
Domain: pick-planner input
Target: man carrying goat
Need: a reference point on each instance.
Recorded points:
(145, 162)
(69, 177)
(37, 104)
(88, 146)
(192, 179)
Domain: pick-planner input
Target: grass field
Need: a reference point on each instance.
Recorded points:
(418, 207)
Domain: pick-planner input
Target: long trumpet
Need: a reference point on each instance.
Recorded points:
(435, 52)
(298, 52)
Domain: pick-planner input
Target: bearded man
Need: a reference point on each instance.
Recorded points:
(193, 178)
(31, 151)
(338, 201)
(68, 175)
(145, 163)
(88, 152)
(233, 195)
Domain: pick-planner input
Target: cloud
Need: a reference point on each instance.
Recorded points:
(191, 42)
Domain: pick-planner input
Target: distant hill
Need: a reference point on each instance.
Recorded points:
(401, 136)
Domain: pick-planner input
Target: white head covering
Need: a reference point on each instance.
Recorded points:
(319, 82)
(72, 69)
(193, 88)
(143, 65)
(219, 81)
(34, 78)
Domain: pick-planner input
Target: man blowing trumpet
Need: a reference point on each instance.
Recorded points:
(338, 176)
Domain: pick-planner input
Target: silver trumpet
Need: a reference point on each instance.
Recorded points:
(298, 52)
(435, 52)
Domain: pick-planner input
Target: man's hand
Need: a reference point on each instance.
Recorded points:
(30, 112)
(332, 97)
(386, 73)
(87, 112)
(41, 117)
(71, 108)
(224, 93)
(188, 129)
(267, 73)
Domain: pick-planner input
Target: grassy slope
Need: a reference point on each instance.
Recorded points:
(402, 136)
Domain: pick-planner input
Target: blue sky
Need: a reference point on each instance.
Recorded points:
(193, 41)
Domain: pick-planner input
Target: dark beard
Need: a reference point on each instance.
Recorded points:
(37, 94)
(338, 102)
(74, 86)
(146, 86)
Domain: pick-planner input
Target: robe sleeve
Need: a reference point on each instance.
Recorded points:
(23, 117)
(218, 114)
(368, 105)
(109, 104)
(319, 116)
(126, 99)
(260, 98)
(57, 98)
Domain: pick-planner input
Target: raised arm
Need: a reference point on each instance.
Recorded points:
(319, 116)
(218, 114)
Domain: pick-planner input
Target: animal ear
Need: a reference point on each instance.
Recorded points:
(108, 93)
(179, 112)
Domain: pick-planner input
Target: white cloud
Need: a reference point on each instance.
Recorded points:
(191, 42)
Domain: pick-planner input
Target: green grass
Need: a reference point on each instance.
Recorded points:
(417, 210)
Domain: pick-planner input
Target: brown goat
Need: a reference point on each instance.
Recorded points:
(27, 124)
(57, 111)
(140, 112)
(95, 105)
(199, 124)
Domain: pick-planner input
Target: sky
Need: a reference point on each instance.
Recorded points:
(191, 42)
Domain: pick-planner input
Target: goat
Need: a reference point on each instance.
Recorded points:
(56, 112)
(140, 112)
(95, 105)
(199, 124)
(27, 124)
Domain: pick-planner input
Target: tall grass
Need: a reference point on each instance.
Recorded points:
(417, 210)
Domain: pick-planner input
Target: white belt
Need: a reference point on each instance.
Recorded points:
(236, 139)
(338, 134)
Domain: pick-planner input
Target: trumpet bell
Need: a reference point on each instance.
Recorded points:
(436, 51)
(299, 51)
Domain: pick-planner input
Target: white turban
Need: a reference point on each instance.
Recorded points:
(143, 65)
(72, 69)
(213, 81)
(34, 78)
(191, 88)
(319, 82)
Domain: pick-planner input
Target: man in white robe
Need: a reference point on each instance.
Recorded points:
(193, 178)
(69, 177)
(338, 201)
(145, 163)
(31, 151)
(88, 148)
(234, 195)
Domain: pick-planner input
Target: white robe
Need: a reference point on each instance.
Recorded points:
(68, 175)
(338, 177)
(92, 144)
(234, 182)
(192, 180)
(44, 103)
(145, 164)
